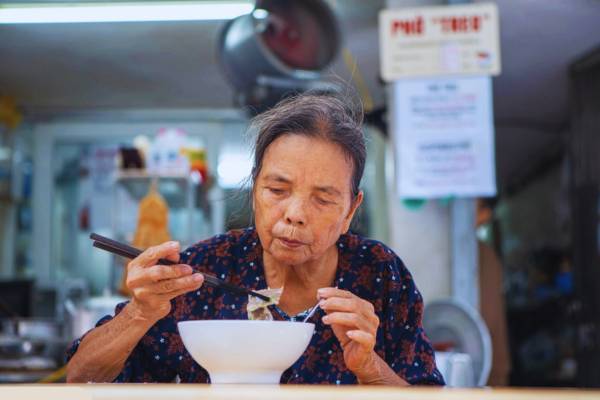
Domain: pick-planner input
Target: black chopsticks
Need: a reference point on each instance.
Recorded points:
(127, 251)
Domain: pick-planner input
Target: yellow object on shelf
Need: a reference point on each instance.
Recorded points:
(153, 220)
(9, 115)
(153, 224)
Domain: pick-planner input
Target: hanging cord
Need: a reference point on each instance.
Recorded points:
(359, 81)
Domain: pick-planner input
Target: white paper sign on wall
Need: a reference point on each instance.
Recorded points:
(444, 137)
(439, 41)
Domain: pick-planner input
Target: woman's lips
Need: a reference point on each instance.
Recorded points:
(290, 243)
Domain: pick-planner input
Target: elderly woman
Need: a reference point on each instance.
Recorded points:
(308, 162)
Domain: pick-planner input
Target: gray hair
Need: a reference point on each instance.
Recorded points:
(320, 115)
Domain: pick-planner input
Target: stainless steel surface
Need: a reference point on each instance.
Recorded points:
(30, 349)
(22, 376)
(28, 364)
(12, 347)
(33, 328)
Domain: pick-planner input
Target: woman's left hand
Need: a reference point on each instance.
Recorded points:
(354, 323)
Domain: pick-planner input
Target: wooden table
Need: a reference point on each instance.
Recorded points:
(268, 392)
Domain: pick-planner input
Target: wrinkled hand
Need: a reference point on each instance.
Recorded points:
(153, 286)
(354, 323)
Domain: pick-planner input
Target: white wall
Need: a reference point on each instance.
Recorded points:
(420, 237)
(422, 240)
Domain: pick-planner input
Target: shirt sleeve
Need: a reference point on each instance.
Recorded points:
(135, 367)
(408, 349)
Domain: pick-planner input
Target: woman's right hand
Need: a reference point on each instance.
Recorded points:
(153, 286)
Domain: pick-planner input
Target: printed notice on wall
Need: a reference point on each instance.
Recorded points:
(444, 138)
(439, 41)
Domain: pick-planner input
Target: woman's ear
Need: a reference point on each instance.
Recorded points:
(353, 207)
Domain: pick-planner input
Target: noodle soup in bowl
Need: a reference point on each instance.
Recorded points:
(245, 351)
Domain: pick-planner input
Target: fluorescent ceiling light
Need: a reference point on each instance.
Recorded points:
(122, 12)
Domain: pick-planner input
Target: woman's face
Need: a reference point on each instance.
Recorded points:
(302, 198)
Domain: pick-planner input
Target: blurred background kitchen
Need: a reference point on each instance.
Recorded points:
(132, 122)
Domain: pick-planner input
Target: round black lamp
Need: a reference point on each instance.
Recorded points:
(281, 48)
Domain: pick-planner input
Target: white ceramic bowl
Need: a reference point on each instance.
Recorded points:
(241, 351)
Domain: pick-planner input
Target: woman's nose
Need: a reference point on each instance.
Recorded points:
(295, 213)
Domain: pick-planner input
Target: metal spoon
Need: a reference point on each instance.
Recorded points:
(311, 312)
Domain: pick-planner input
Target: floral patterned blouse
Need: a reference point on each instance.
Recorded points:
(366, 268)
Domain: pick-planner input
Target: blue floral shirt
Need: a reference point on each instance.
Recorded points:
(366, 268)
